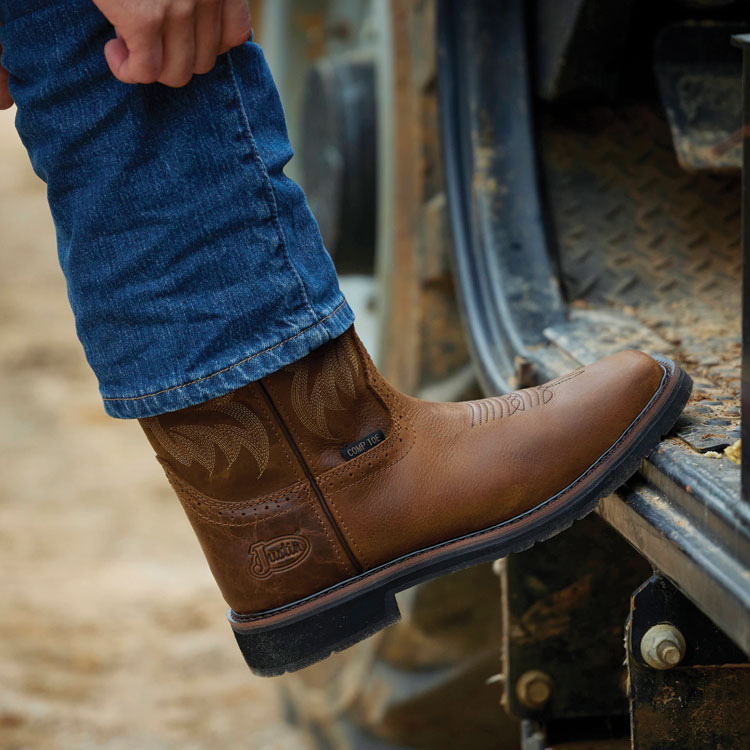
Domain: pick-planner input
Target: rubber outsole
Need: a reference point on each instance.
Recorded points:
(305, 632)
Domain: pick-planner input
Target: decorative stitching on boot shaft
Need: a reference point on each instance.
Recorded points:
(338, 371)
(186, 443)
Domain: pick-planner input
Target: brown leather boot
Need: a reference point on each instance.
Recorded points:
(320, 491)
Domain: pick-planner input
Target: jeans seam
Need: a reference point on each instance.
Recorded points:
(228, 367)
(270, 194)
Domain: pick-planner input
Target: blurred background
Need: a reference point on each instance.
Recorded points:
(508, 190)
(112, 632)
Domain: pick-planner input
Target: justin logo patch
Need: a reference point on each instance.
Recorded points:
(277, 555)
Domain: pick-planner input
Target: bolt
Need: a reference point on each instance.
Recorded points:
(663, 646)
(534, 689)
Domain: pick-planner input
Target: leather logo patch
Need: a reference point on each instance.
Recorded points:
(360, 446)
(277, 555)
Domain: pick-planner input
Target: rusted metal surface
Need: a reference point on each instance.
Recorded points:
(702, 702)
(682, 537)
(564, 608)
(699, 76)
(693, 707)
(640, 235)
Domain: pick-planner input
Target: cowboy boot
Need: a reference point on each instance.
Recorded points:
(320, 491)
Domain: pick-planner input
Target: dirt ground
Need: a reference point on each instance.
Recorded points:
(112, 633)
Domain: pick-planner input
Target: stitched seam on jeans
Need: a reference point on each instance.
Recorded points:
(229, 367)
(271, 195)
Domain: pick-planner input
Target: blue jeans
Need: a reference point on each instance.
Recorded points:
(193, 265)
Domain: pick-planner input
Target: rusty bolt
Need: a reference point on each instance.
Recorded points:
(534, 689)
(663, 646)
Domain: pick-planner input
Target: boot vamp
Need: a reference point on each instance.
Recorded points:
(473, 465)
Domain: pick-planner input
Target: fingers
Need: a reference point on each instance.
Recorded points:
(172, 40)
(6, 100)
(207, 34)
(137, 57)
(179, 45)
(236, 25)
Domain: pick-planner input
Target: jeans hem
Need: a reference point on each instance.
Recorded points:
(236, 374)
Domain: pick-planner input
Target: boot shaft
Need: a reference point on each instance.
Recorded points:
(248, 468)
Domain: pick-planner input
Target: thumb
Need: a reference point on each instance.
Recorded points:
(117, 56)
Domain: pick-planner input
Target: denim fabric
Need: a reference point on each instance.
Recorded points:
(193, 265)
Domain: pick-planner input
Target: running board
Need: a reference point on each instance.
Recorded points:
(684, 514)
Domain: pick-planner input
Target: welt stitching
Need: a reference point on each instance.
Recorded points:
(278, 402)
(229, 367)
(369, 573)
(270, 194)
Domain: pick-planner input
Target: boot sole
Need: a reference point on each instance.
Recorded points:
(306, 631)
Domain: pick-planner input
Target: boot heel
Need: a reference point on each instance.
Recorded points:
(300, 641)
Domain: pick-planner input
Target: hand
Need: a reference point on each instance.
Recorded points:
(171, 40)
(6, 100)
